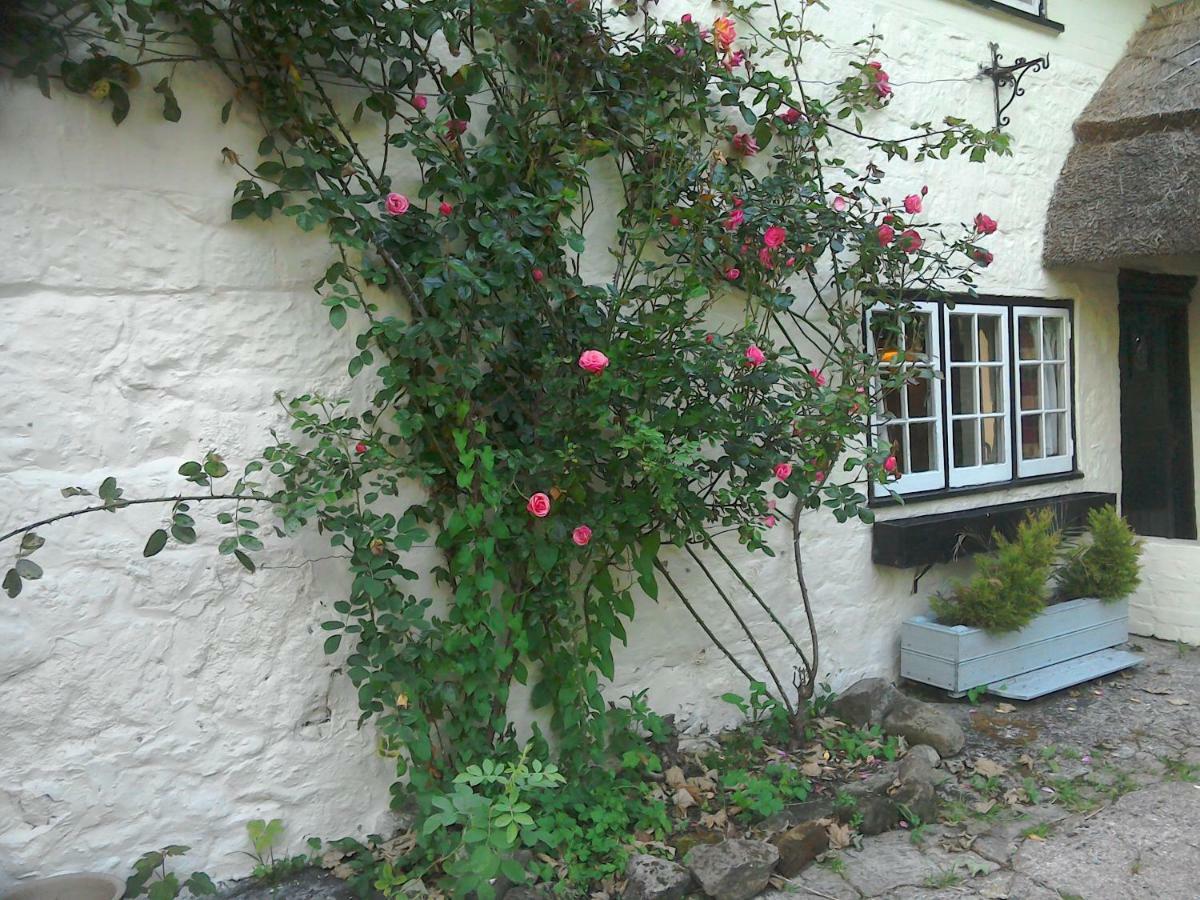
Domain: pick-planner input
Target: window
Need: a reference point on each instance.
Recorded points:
(1033, 7)
(985, 398)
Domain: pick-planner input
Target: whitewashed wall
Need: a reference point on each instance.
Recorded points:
(172, 700)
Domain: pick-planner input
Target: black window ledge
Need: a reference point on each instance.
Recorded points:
(1018, 13)
(992, 487)
(943, 537)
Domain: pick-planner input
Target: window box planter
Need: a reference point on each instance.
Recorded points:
(1066, 644)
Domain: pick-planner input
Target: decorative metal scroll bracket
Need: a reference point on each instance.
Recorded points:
(1010, 76)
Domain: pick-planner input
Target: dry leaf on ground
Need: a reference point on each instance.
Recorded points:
(988, 768)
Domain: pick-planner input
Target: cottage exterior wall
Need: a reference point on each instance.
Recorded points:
(171, 700)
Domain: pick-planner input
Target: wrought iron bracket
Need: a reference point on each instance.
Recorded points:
(1009, 76)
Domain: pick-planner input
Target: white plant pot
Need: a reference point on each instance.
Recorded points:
(77, 886)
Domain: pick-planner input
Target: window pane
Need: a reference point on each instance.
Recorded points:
(1031, 436)
(916, 337)
(895, 437)
(892, 408)
(922, 449)
(966, 442)
(989, 338)
(1031, 395)
(1055, 384)
(991, 390)
(920, 397)
(884, 330)
(992, 445)
(1055, 427)
(1027, 337)
(961, 346)
(1053, 344)
(962, 389)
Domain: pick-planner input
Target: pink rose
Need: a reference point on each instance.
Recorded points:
(725, 32)
(791, 261)
(912, 203)
(581, 535)
(769, 521)
(455, 127)
(538, 505)
(890, 465)
(886, 234)
(819, 377)
(775, 236)
(754, 356)
(420, 101)
(678, 51)
(981, 256)
(910, 240)
(839, 204)
(445, 208)
(764, 257)
(708, 338)
(791, 115)
(735, 220)
(985, 224)
(880, 80)
(819, 477)
(733, 273)
(538, 275)
(593, 361)
(745, 144)
(783, 471)
(686, 19)
(733, 60)
(396, 204)
(737, 201)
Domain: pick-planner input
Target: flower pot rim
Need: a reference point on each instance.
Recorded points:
(928, 620)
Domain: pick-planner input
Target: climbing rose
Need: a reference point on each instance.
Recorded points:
(764, 257)
(886, 234)
(839, 204)
(819, 477)
(445, 209)
(420, 101)
(538, 275)
(745, 144)
(981, 256)
(733, 60)
(725, 32)
(686, 19)
(581, 535)
(708, 339)
(985, 224)
(775, 236)
(360, 448)
(397, 204)
(912, 203)
(735, 220)
(910, 240)
(456, 127)
(882, 85)
(675, 221)
(890, 466)
(769, 521)
(783, 471)
(818, 377)
(733, 273)
(538, 505)
(791, 115)
(593, 361)
(754, 356)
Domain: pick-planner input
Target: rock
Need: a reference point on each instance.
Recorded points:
(925, 752)
(307, 884)
(865, 702)
(919, 799)
(797, 814)
(878, 814)
(733, 870)
(923, 723)
(918, 769)
(799, 846)
(652, 878)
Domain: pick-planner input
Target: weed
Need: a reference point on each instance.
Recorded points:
(943, 879)
(1179, 769)
(834, 864)
(1042, 830)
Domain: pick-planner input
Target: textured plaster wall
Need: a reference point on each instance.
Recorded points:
(170, 701)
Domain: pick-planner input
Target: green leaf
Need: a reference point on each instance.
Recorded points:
(120, 102)
(337, 316)
(28, 569)
(332, 643)
(108, 489)
(12, 583)
(245, 560)
(200, 884)
(155, 543)
(31, 541)
(184, 534)
(225, 110)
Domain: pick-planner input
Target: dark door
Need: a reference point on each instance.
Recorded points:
(1157, 489)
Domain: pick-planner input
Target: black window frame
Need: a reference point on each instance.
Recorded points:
(878, 500)
(1041, 18)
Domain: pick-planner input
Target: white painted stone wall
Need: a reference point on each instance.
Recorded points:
(143, 703)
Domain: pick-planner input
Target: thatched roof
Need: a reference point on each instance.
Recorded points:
(1131, 184)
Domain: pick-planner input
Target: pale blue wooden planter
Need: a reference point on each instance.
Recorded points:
(1066, 644)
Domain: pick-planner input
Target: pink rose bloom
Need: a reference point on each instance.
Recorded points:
(791, 261)
(764, 257)
(819, 377)
(981, 256)
(445, 209)
(886, 234)
(819, 477)
(420, 101)
(890, 465)
(396, 204)
(733, 60)
(775, 236)
(880, 80)
(724, 32)
(455, 127)
(538, 275)
(686, 19)
(737, 201)
(985, 224)
(839, 204)
(708, 339)
(593, 361)
(783, 471)
(581, 535)
(677, 50)
(754, 356)
(791, 115)
(912, 203)
(538, 505)
(745, 144)
(769, 521)
(735, 220)
(910, 240)
(733, 273)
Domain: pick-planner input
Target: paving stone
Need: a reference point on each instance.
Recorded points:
(891, 861)
(733, 870)
(865, 702)
(1000, 839)
(653, 878)
(799, 846)
(823, 882)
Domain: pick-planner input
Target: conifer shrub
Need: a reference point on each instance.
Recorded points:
(1107, 566)
(1010, 584)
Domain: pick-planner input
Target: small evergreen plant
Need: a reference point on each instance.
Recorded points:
(1009, 587)
(1107, 567)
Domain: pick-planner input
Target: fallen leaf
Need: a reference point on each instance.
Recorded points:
(1025, 760)
(1035, 837)
(811, 770)
(674, 776)
(1005, 708)
(1178, 701)
(716, 821)
(1156, 690)
(983, 807)
(840, 836)
(987, 768)
(683, 799)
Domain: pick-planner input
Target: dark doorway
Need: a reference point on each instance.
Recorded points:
(1157, 487)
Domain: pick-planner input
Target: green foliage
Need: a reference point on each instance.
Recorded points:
(1009, 588)
(264, 840)
(764, 795)
(863, 743)
(1105, 567)
(763, 712)
(152, 879)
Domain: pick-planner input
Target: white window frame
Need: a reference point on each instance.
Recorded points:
(1033, 7)
(1065, 461)
(935, 478)
(967, 476)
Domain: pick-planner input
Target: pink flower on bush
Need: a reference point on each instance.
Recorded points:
(538, 505)
(880, 80)
(791, 115)
(396, 204)
(981, 256)
(819, 377)
(708, 338)
(593, 361)
(455, 127)
(764, 257)
(769, 521)
(445, 208)
(538, 275)
(724, 32)
(819, 477)
(735, 220)
(745, 144)
(775, 236)
(783, 471)
(985, 224)
(754, 356)
(886, 234)
(733, 273)
(839, 204)
(581, 535)
(890, 465)
(912, 203)
(360, 448)
(420, 101)
(686, 19)
(910, 240)
(733, 60)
